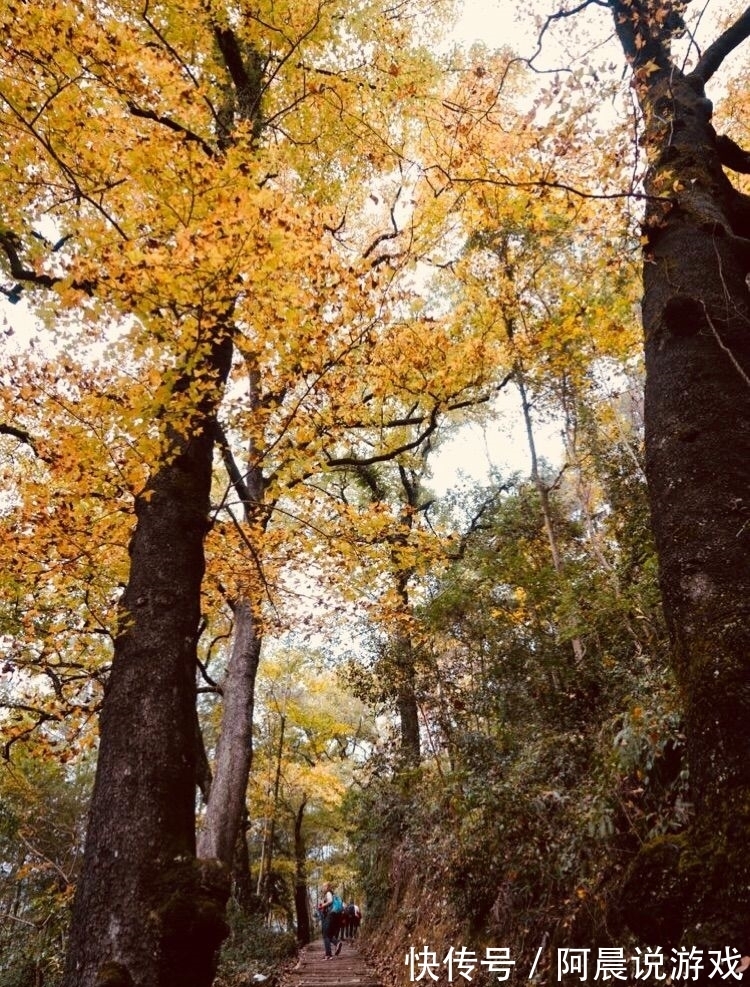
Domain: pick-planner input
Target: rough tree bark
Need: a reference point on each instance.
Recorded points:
(147, 913)
(696, 314)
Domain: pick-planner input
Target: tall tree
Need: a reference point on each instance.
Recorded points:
(144, 854)
(697, 417)
(696, 239)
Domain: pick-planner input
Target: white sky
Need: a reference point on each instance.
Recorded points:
(498, 446)
(494, 22)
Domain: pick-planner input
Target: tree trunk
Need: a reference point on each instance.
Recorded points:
(146, 912)
(543, 491)
(406, 703)
(242, 885)
(269, 837)
(404, 667)
(234, 754)
(301, 908)
(218, 835)
(406, 680)
(696, 310)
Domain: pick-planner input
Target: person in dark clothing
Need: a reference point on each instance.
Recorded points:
(344, 925)
(331, 921)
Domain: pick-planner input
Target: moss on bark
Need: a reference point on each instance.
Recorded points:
(191, 916)
(693, 889)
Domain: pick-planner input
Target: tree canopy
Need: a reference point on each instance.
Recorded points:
(259, 265)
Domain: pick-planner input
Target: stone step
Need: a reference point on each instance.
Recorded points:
(348, 969)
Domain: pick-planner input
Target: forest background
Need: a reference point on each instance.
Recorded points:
(276, 257)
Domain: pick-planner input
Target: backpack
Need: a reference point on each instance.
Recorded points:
(337, 905)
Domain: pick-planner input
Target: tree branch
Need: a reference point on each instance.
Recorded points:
(558, 16)
(9, 243)
(410, 418)
(723, 46)
(732, 155)
(246, 76)
(42, 717)
(393, 453)
(178, 128)
(44, 858)
(17, 433)
(504, 181)
(476, 522)
(230, 465)
(391, 234)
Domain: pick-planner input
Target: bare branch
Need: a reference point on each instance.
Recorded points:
(732, 155)
(384, 457)
(44, 858)
(391, 234)
(10, 243)
(715, 54)
(235, 474)
(213, 685)
(504, 181)
(477, 521)
(178, 128)
(529, 62)
(18, 433)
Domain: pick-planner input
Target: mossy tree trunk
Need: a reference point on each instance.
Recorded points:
(696, 314)
(147, 913)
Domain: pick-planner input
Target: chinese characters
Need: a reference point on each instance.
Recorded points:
(605, 964)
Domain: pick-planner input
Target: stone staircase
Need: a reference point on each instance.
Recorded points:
(348, 969)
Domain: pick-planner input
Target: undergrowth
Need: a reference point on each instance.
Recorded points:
(253, 953)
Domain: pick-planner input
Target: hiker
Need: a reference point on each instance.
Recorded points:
(344, 927)
(356, 919)
(330, 907)
(350, 913)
